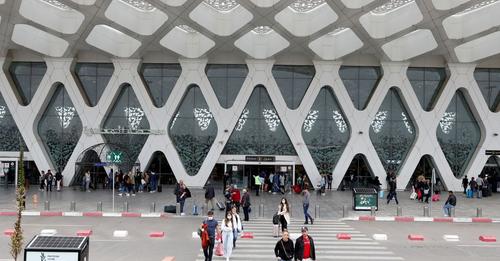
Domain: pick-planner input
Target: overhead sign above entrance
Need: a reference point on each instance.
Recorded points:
(114, 156)
(492, 152)
(260, 158)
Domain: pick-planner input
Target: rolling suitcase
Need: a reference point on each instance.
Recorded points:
(276, 229)
(159, 188)
(220, 206)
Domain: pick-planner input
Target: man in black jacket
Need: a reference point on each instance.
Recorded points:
(304, 247)
(284, 250)
(450, 203)
(210, 195)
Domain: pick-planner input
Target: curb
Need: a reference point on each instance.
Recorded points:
(422, 219)
(85, 214)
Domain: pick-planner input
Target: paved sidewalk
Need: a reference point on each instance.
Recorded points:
(330, 205)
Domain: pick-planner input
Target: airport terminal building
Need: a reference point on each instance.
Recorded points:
(192, 89)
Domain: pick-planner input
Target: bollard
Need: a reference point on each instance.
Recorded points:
(372, 211)
(399, 211)
(72, 206)
(479, 212)
(345, 211)
(316, 212)
(47, 206)
(125, 206)
(152, 208)
(99, 206)
(426, 211)
(452, 212)
(178, 209)
(261, 210)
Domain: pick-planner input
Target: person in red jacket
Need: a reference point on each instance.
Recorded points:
(236, 198)
(304, 247)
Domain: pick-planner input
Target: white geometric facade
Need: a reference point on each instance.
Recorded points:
(416, 38)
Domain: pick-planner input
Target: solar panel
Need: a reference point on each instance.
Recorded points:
(57, 242)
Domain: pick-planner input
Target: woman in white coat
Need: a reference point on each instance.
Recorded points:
(284, 213)
(227, 228)
(237, 225)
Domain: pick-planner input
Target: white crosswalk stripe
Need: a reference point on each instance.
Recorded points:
(328, 247)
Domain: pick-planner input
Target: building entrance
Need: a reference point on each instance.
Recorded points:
(242, 173)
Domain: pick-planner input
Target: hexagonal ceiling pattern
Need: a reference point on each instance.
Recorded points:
(390, 30)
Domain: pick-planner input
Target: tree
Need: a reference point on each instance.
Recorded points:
(16, 241)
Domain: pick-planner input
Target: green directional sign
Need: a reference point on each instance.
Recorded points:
(114, 156)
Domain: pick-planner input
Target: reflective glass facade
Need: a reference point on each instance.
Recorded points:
(160, 80)
(27, 77)
(10, 138)
(325, 131)
(94, 77)
(293, 81)
(259, 130)
(193, 130)
(60, 127)
(489, 83)
(226, 80)
(127, 113)
(458, 134)
(392, 132)
(426, 82)
(360, 82)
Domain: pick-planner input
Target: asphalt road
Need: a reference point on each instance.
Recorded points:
(178, 241)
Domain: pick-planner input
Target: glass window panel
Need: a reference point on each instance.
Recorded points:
(369, 73)
(194, 133)
(259, 130)
(27, 77)
(349, 72)
(160, 80)
(293, 82)
(427, 87)
(392, 132)
(482, 74)
(226, 80)
(494, 75)
(10, 137)
(60, 128)
(94, 77)
(360, 83)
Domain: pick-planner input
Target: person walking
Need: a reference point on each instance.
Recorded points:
(87, 181)
(465, 184)
(153, 181)
(42, 181)
(284, 250)
(245, 203)
(480, 184)
(48, 179)
(305, 205)
(182, 194)
(392, 191)
(227, 234)
(329, 179)
(304, 246)
(450, 203)
(210, 195)
(211, 226)
(59, 177)
(236, 197)
(284, 213)
(258, 184)
(237, 227)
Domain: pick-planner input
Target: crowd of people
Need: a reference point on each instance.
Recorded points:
(49, 180)
(220, 238)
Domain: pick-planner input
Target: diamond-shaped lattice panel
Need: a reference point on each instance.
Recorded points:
(193, 130)
(94, 78)
(426, 82)
(127, 113)
(392, 132)
(60, 127)
(458, 134)
(325, 131)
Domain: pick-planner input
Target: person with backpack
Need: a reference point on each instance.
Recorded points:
(210, 195)
(208, 227)
(284, 250)
(392, 191)
(59, 177)
(235, 197)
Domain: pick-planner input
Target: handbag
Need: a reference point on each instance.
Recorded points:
(219, 249)
(413, 195)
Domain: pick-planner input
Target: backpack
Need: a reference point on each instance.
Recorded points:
(276, 219)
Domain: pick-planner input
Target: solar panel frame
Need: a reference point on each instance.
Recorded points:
(57, 243)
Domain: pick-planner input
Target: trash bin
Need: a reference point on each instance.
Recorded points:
(364, 198)
(57, 248)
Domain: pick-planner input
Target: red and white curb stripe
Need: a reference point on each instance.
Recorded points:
(424, 219)
(85, 214)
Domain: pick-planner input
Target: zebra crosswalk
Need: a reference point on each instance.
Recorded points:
(324, 232)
